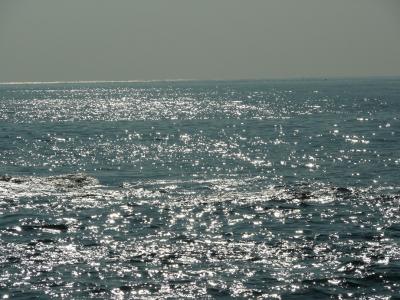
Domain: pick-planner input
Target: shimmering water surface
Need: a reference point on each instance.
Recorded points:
(248, 189)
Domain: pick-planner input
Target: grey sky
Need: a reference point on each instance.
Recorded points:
(54, 40)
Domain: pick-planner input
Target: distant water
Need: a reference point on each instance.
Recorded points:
(248, 189)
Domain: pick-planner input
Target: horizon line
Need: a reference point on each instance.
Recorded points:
(195, 80)
(94, 81)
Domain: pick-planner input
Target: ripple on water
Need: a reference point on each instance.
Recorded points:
(268, 189)
(70, 235)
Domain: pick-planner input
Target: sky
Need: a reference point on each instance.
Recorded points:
(78, 40)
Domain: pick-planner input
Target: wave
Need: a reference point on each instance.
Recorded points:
(189, 192)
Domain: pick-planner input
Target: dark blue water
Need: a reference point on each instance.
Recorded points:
(248, 189)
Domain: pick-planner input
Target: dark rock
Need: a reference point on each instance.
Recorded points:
(255, 258)
(343, 190)
(217, 292)
(61, 227)
(72, 180)
(302, 195)
(46, 241)
(125, 288)
(28, 228)
(91, 244)
(154, 226)
(13, 259)
(98, 290)
(87, 195)
(17, 180)
(5, 178)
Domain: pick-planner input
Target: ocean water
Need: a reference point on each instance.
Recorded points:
(162, 190)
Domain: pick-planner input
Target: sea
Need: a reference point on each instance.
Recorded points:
(257, 189)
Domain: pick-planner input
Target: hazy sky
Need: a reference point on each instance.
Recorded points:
(54, 40)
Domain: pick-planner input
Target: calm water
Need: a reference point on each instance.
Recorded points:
(247, 189)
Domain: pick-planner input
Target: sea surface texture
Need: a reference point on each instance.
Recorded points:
(164, 190)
